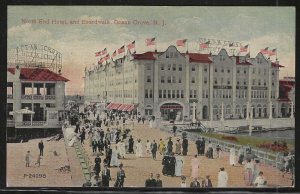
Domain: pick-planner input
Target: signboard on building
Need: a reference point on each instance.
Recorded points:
(214, 46)
(193, 100)
(259, 88)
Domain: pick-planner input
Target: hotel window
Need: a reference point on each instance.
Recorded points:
(191, 93)
(180, 67)
(259, 82)
(169, 67)
(160, 93)
(238, 70)
(169, 79)
(162, 67)
(228, 71)
(245, 71)
(205, 80)
(206, 93)
(193, 67)
(229, 93)
(173, 93)
(216, 70)
(174, 67)
(237, 82)
(253, 82)
(193, 80)
(259, 71)
(167, 54)
(265, 83)
(174, 79)
(182, 94)
(205, 68)
(195, 93)
(273, 83)
(149, 66)
(222, 70)
(177, 94)
(222, 58)
(150, 94)
(169, 93)
(148, 78)
(228, 81)
(253, 70)
(273, 72)
(179, 80)
(245, 82)
(216, 81)
(146, 93)
(165, 94)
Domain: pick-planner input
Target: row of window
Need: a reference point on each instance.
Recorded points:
(118, 94)
(258, 94)
(241, 93)
(222, 93)
(171, 94)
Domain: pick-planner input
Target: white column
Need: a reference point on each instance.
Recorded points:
(248, 106)
(222, 112)
(211, 89)
(292, 109)
(270, 110)
(250, 124)
(233, 94)
(194, 112)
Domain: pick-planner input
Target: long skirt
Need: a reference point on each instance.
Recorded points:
(248, 177)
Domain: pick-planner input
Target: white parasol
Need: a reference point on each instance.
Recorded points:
(22, 111)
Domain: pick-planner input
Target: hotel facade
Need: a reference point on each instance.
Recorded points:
(168, 84)
(38, 90)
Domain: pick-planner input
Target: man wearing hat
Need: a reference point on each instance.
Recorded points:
(105, 176)
(120, 177)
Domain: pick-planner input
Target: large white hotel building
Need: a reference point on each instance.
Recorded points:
(167, 83)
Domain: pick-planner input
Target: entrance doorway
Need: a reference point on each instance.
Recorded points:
(169, 111)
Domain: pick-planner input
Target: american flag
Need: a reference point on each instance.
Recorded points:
(272, 52)
(101, 60)
(114, 54)
(104, 52)
(204, 45)
(181, 42)
(150, 41)
(97, 54)
(106, 57)
(265, 50)
(231, 45)
(131, 45)
(121, 50)
(244, 48)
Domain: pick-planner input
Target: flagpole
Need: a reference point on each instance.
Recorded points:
(155, 44)
(187, 45)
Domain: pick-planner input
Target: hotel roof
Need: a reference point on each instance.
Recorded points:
(38, 74)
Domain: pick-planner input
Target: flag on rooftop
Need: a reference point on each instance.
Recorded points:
(244, 48)
(131, 45)
(181, 42)
(121, 50)
(272, 52)
(265, 50)
(205, 44)
(150, 41)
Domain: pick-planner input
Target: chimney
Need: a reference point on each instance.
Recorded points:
(187, 52)
(59, 71)
(155, 51)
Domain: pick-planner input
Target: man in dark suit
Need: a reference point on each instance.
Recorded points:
(158, 181)
(195, 183)
(41, 147)
(150, 182)
(154, 149)
(105, 176)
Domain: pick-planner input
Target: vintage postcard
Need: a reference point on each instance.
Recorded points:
(121, 96)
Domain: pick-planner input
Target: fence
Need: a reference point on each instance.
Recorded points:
(269, 158)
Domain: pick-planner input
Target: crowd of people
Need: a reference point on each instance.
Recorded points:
(116, 141)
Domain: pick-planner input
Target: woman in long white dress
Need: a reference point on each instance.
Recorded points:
(232, 156)
(178, 165)
(195, 163)
(148, 147)
(139, 149)
(114, 157)
(121, 148)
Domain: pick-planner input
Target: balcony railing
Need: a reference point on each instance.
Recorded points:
(9, 96)
(28, 123)
(36, 97)
(26, 97)
(50, 97)
(34, 124)
(10, 123)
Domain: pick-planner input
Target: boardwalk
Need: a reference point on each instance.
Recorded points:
(137, 169)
